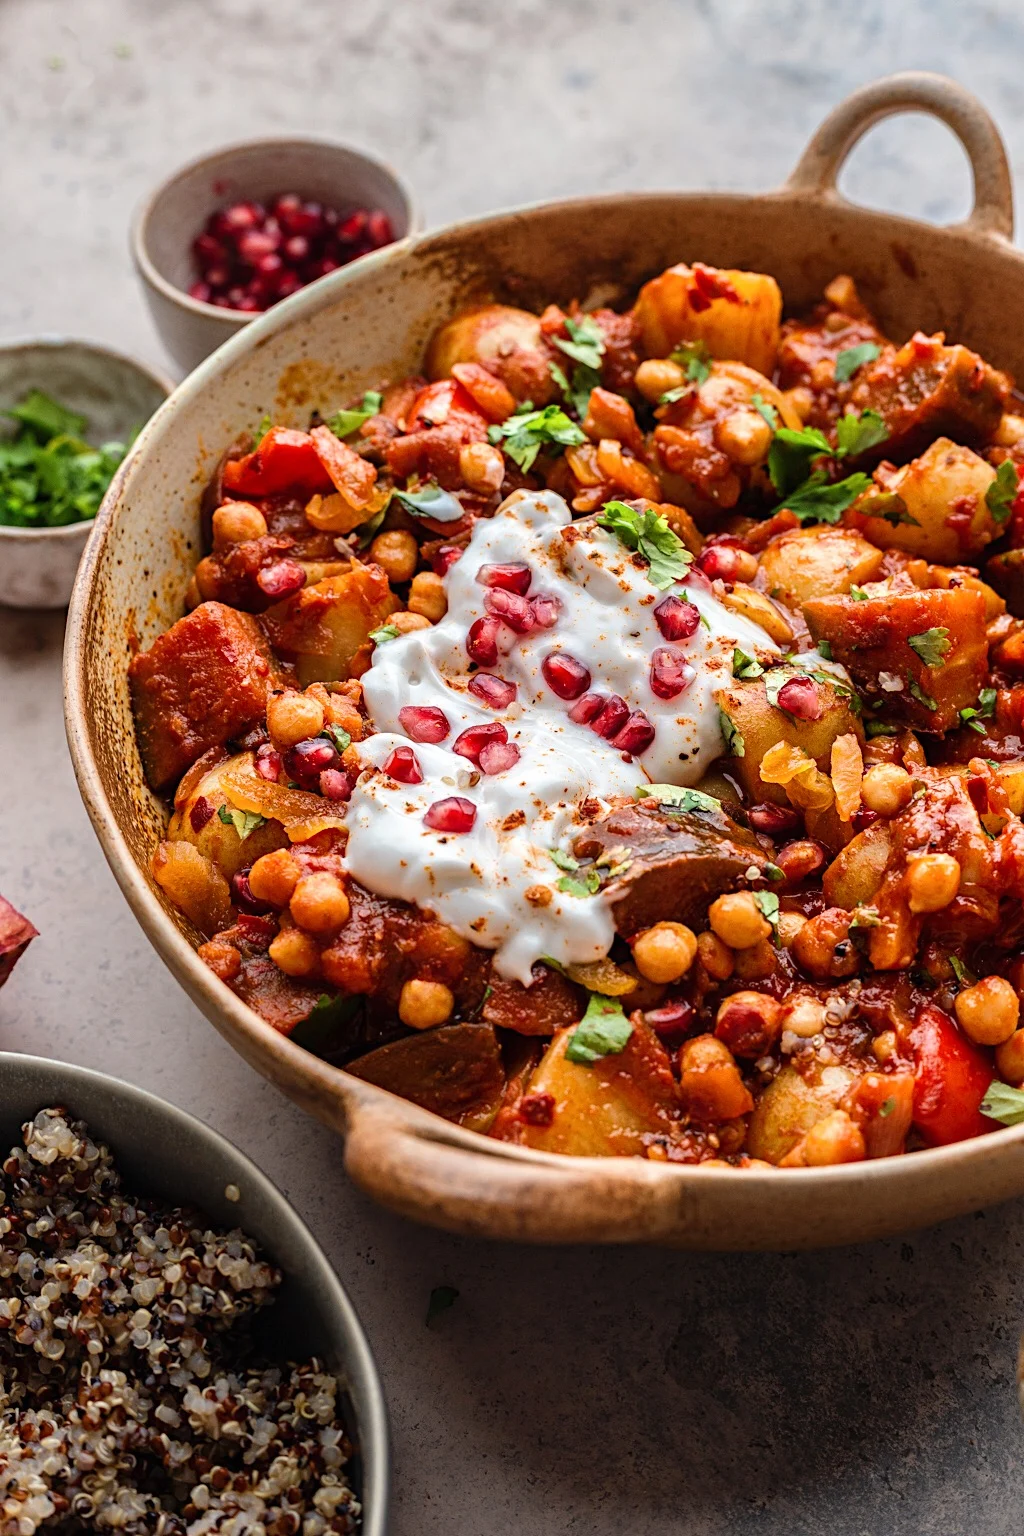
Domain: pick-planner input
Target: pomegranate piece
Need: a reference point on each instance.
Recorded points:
(256, 243)
(636, 735)
(243, 898)
(498, 756)
(470, 742)
(16, 934)
(444, 558)
(565, 675)
(587, 708)
(306, 761)
(801, 698)
(671, 673)
(209, 252)
(403, 764)
(235, 220)
(282, 578)
(671, 1022)
(612, 716)
(545, 611)
(775, 820)
(378, 229)
(720, 562)
(424, 722)
(493, 691)
(676, 618)
(335, 784)
(482, 640)
(269, 763)
(455, 814)
(201, 291)
(512, 577)
(515, 610)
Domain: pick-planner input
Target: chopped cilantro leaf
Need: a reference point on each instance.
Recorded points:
(931, 645)
(769, 905)
(526, 432)
(964, 975)
(432, 501)
(1000, 495)
(769, 412)
(648, 532)
(856, 434)
(818, 501)
(852, 358)
(677, 797)
(825, 650)
(577, 394)
(671, 395)
(344, 423)
(694, 359)
(49, 477)
(603, 1030)
(886, 1108)
(733, 735)
(744, 666)
(858, 594)
(243, 822)
(1004, 1104)
(384, 634)
(918, 693)
(261, 432)
(790, 455)
(585, 344)
(341, 739)
(880, 728)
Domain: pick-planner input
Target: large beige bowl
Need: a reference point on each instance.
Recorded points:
(347, 334)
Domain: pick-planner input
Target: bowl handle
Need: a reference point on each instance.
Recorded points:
(417, 1172)
(915, 91)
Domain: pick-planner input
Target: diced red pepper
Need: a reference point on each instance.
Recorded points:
(285, 460)
(447, 403)
(951, 1077)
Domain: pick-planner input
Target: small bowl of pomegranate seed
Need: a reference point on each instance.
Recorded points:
(228, 236)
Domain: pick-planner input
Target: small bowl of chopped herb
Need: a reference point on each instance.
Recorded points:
(69, 411)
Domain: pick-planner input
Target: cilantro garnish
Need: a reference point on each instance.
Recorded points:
(49, 477)
(769, 905)
(1000, 495)
(769, 412)
(384, 634)
(858, 594)
(346, 422)
(886, 1108)
(527, 432)
(985, 710)
(261, 432)
(694, 359)
(1004, 1104)
(677, 798)
(852, 358)
(340, 738)
(790, 455)
(931, 645)
(964, 975)
(432, 501)
(745, 666)
(809, 493)
(585, 344)
(816, 501)
(672, 395)
(825, 649)
(648, 532)
(918, 693)
(880, 728)
(367, 532)
(733, 735)
(856, 434)
(577, 394)
(603, 1030)
(243, 822)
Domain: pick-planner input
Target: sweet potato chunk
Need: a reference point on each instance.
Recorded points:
(455, 1071)
(922, 656)
(941, 513)
(925, 390)
(817, 562)
(735, 314)
(323, 626)
(197, 686)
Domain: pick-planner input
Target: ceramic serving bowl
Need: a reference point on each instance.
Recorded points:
(372, 322)
(117, 396)
(162, 1151)
(170, 218)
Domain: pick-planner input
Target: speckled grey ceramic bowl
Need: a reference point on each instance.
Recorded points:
(163, 1151)
(176, 211)
(117, 396)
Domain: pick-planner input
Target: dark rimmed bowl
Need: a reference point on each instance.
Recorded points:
(163, 1151)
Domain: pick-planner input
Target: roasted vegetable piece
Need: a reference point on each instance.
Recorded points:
(735, 314)
(285, 460)
(323, 626)
(200, 684)
(817, 562)
(883, 1107)
(200, 820)
(951, 1077)
(16, 934)
(454, 1071)
(791, 1104)
(505, 340)
(758, 725)
(925, 390)
(855, 874)
(922, 656)
(678, 862)
(551, 1003)
(194, 884)
(604, 1109)
(940, 511)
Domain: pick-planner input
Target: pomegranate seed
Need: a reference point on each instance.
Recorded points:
(636, 735)
(354, 227)
(720, 562)
(307, 760)
(201, 291)
(800, 859)
(269, 763)
(671, 1021)
(290, 283)
(286, 208)
(545, 612)
(403, 764)
(257, 243)
(321, 268)
(498, 756)
(862, 819)
(452, 815)
(513, 577)
(378, 229)
(537, 1109)
(281, 579)
(296, 248)
(335, 784)
(243, 898)
(515, 610)
(269, 270)
(235, 296)
(249, 305)
(200, 814)
(493, 691)
(611, 718)
(676, 618)
(470, 742)
(587, 708)
(801, 699)
(482, 640)
(208, 251)
(442, 560)
(257, 931)
(565, 675)
(236, 219)
(424, 722)
(218, 277)
(775, 820)
(671, 674)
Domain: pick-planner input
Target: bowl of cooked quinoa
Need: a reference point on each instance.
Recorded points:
(176, 1355)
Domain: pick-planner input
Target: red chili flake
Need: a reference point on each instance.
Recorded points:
(200, 814)
(537, 1109)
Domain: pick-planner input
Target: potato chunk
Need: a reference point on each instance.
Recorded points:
(323, 626)
(762, 725)
(735, 314)
(507, 341)
(943, 491)
(193, 885)
(198, 821)
(925, 389)
(817, 562)
(921, 655)
(198, 685)
(790, 1105)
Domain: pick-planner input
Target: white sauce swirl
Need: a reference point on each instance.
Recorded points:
(478, 882)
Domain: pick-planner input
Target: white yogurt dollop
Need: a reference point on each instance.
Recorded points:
(497, 885)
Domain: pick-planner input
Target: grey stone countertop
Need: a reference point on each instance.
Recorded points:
(859, 1392)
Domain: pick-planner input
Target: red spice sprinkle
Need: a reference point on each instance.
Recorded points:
(537, 1109)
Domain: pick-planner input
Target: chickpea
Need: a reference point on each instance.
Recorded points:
(717, 958)
(657, 376)
(886, 788)
(1010, 1059)
(396, 552)
(738, 920)
(823, 948)
(801, 399)
(405, 623)
(482, 468)
(223, 958)
(292, 717)
(425, 1004)
(193, 596)
(427, 597)
(207, 579)
(789, 925)
(804, 1016)
(988, 1012)
(757, 962)
(749, 1023)
(236, 522)
(833, 1140)
(933, 880)
(319, 903)
(274, 877)
(294, 952)
(665, 952)
(744, 436)
(884, 1046)
(709, 1081)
